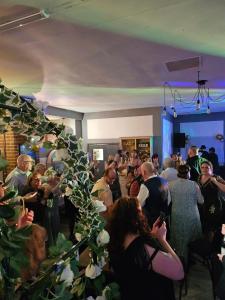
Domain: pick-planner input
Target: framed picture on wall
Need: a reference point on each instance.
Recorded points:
(98, 154)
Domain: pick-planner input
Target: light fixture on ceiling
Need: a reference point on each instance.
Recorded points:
(201, 98)
(25, 20)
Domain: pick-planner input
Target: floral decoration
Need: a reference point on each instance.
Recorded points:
(62, 279)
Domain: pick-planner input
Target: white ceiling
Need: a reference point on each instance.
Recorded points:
(97, 55)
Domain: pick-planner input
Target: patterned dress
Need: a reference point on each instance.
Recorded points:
(185, 218)
(213, 208)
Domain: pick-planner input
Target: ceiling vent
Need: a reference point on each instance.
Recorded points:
(178, 65)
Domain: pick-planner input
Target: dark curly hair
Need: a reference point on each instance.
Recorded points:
(126, 217)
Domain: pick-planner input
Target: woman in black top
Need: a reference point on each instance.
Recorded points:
(213, 189)
(143, 262)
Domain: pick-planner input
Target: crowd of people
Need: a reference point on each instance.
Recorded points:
(190, 196)
(153, 213)
(35, 185)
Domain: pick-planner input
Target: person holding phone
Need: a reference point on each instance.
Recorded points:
(142, 260)
(34, 197)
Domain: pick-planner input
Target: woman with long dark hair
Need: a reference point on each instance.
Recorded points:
(143, 261)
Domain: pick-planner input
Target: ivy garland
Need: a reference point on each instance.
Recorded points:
(62, 278)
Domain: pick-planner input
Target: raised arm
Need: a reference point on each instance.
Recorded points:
(219, 184)
(165, 263)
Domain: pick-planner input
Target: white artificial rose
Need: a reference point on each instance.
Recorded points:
(99, 206)
(101, 298)
(92, 271)
(68, 191)
(107, 288)
(103, 238)
(78, 236)
(67, 275)
(101, 262)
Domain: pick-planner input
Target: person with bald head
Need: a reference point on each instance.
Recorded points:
(18, 177)
(102, 187)
(154, 194)
(194, 162)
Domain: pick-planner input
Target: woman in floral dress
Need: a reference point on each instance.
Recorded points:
(185, 218)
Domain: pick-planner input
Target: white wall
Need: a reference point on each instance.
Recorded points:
(204, 133)
(69, 123)
(115, 128)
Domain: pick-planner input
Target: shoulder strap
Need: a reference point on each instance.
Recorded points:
(153, 256)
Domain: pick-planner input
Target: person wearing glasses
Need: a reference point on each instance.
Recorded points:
(18, 177)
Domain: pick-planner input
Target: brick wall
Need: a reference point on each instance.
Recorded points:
(9, 146)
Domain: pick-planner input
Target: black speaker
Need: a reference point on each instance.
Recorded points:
(179, 140)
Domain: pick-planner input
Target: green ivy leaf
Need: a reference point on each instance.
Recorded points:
(79, 287)
(62, 292)
(17, 262)
(99, 283)
(3, 99)
(2, 112)
(16, 100)
(62, 245)
(74, 266)
(48, 145)
(96, 193)
(9, 195)
(33, 121)
(6, 212)
(6, 119)
(17, 130)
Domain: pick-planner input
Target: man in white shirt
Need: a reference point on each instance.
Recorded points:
(18, 177)
(153, 194)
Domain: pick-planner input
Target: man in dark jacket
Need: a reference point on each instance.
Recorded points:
(213, 157)
(194, 162)
(154, 195)
(204, 153)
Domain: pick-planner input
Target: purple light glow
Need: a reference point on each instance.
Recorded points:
(183, 84)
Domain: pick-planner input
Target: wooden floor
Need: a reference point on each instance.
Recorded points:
(199, 284)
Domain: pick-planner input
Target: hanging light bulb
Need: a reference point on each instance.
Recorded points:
(208, 111)
(164, 98)
(164, 111)
(174, 113)
(201, 97)
(198, 105)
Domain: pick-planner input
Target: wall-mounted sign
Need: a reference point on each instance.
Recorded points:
(143, 145)
(98, 154)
